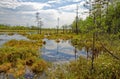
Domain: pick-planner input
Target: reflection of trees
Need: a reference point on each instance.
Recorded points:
(44, 43)
(75, 51)
(57, 41)
(75, 44)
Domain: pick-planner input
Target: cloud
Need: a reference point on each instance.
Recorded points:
(71, 7)
(15, 3)
(67, 18)
(53, 1)
(77, 0)
(16, 19)
(22, 12)
(35, 5)
(50, 17)
(9, 3)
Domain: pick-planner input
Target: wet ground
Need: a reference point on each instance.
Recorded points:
(56, 53)
(51, 51)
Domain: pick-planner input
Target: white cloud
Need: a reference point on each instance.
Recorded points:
(35, 5)
(15, 3)
(9, 3)
(76, 0)
(72, 7)
(49, 17)
(53, 1)
(73, 0)
(22, 13)
(28, 12)
(52, 15)
(67, 18)
(17, 20)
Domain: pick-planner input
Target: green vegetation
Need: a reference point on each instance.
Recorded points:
(105, 68)
(7, 27)
(99, 34)
(104, 16)
(15, 55)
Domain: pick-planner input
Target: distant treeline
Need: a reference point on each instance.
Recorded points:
(8, 27)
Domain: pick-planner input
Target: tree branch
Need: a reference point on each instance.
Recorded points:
(110, 52)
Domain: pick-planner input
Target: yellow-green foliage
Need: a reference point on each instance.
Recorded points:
(21, 53)
(5, 67)
(24, 33)
(11, 33)
(12, 54)
(24, 44)
(39, 66)
(105, 67)
(35, 36)
(60, 36)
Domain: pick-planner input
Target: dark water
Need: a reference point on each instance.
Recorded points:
(60, 52)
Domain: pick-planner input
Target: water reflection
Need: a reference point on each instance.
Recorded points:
(64, 51)
(4, 38)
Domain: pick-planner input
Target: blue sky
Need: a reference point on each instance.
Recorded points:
(22, 12)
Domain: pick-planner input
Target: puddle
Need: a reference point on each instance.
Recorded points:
(60, 52)
(4, 38)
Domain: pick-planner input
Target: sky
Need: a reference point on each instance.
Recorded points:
(23, 12)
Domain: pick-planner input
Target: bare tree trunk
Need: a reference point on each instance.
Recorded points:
(93, 51)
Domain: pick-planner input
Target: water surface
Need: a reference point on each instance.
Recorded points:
(4, 38)
(60, 52)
